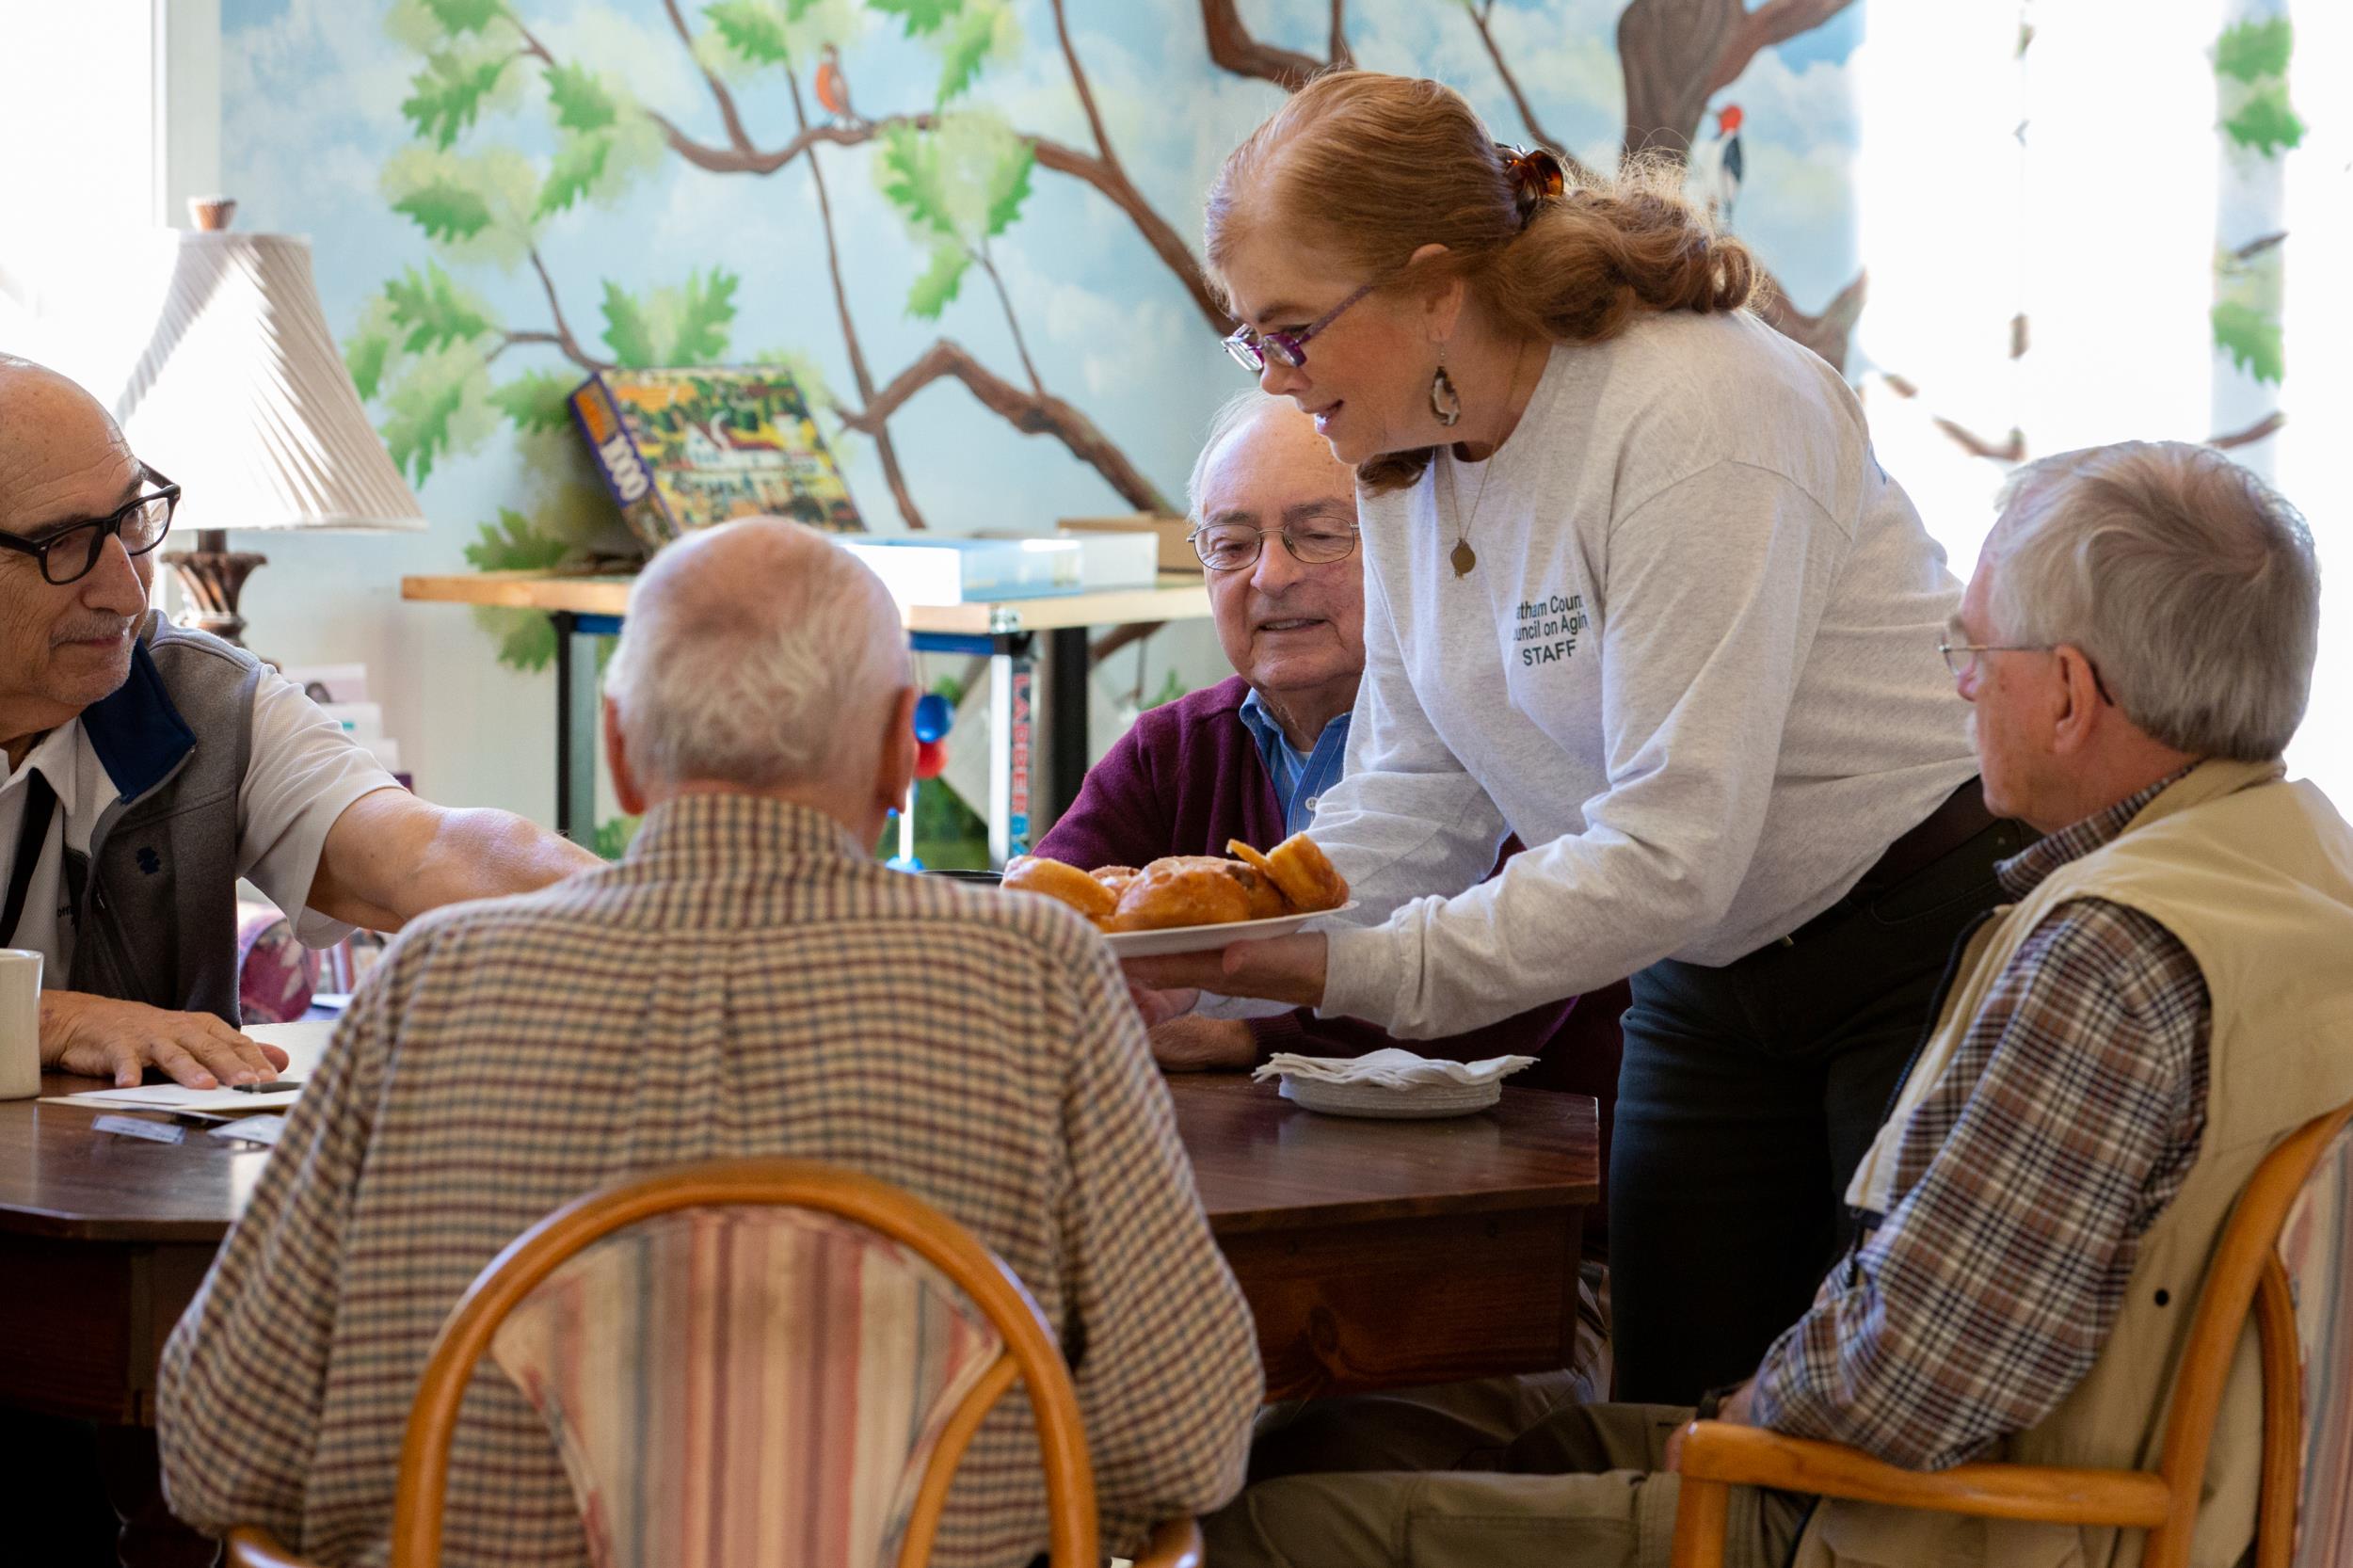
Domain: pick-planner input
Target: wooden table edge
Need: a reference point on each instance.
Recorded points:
(1365, 1212)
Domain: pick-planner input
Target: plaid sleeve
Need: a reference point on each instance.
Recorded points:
(1987, 1295)
(244, 1376)
(1167, 1360)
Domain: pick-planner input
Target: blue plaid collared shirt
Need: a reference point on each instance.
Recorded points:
(1300, 778)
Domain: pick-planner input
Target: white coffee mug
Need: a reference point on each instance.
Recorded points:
(20, 1024)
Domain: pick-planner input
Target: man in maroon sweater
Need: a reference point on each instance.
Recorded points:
(1276, 516)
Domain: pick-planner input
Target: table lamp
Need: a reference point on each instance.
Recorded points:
(240, 397)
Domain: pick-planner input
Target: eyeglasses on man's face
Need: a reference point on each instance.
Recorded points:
(1232, 545)
(1252, 351)
(1962, 659)
(68, 550)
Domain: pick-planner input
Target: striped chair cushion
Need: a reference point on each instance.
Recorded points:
(2316, 1247)
(745, 1384)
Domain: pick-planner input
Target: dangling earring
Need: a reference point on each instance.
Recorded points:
(1444, 401)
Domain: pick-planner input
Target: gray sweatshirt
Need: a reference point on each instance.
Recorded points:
(1695, 670)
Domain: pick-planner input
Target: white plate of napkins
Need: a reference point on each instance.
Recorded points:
(1391, 1083)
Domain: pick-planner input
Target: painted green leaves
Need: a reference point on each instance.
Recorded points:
(968, 34)
(2250, 63)
(682, 325)
(2252, 336)
(956, 188)
(448, 94)
(515, 543)
(758, 33)
(2258, 122)
(421, 349)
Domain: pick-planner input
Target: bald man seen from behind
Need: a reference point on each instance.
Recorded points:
(748, 981)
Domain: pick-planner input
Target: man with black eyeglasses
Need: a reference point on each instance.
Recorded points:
(149, 767)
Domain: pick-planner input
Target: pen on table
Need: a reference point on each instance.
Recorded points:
(274, 1086)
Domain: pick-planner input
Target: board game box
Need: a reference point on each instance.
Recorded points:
(685, 449)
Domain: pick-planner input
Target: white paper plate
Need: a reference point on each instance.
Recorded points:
(1379, 1099)
(1209, 938)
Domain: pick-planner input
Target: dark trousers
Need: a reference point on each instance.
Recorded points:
(1747, 1095)
(80, 1495)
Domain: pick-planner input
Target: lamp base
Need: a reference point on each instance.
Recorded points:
(211, 576)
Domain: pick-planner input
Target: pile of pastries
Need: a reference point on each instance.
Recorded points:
(1293, 878)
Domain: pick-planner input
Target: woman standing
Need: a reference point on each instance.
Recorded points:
(1637, 591)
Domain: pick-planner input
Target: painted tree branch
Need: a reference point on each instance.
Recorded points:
(1013, 323)
(1031, 413)
(758, 160)
(1829, 333)
(1479, 12)
(530, 337)
(1112, 182)
(2263, 429)
(1101, 169)
(1677, 54)
(885, 449)
(1341, 54)
(2010, 451)
(1108, 175)
(1233, 48)
(737, 137)
(562, 330)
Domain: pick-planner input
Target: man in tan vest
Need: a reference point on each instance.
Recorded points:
(2168, 990)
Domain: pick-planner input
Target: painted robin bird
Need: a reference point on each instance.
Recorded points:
(832, 87)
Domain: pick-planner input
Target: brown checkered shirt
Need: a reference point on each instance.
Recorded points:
(744, 982)
(2069, 1117)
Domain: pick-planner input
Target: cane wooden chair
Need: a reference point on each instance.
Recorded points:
(2287, 1256)
(717, 1277)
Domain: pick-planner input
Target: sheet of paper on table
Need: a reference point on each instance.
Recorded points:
(301, 1041)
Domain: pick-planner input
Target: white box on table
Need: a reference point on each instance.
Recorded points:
(942, 570)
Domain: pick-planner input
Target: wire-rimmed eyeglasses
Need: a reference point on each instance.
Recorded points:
(1233, 546)
(68, 551)
(1962, 659)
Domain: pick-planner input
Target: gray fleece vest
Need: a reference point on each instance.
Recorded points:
(155, 901)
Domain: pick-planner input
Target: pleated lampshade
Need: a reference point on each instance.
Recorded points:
(242, 398)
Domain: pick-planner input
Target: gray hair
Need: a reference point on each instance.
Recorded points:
(2188, 582)
(747, 649)
(1237, 411)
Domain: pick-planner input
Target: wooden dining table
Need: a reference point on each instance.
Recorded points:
(1373, 1254)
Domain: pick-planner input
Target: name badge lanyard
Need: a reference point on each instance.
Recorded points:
(40, 803)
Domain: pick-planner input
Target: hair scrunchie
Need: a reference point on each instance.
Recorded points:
(1534, 173)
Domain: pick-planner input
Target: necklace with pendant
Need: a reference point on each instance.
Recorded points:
(1462, 557)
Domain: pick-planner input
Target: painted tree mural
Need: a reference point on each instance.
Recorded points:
(445, 373)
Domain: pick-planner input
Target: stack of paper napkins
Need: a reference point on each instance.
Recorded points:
(1390, 1069)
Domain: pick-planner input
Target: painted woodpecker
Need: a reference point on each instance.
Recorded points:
(1729, 163)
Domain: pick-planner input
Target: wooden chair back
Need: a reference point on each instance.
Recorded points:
(2302, 1300)
(2248, 1275)
(2315, 1250)
(540, 1303)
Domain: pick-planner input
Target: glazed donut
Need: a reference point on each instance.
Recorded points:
(1306, 877)
(1183, 889)
(1250, 857)
(1035, 873)
(1114, 877)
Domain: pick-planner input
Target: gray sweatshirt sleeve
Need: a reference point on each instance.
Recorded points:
(1714, 590)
